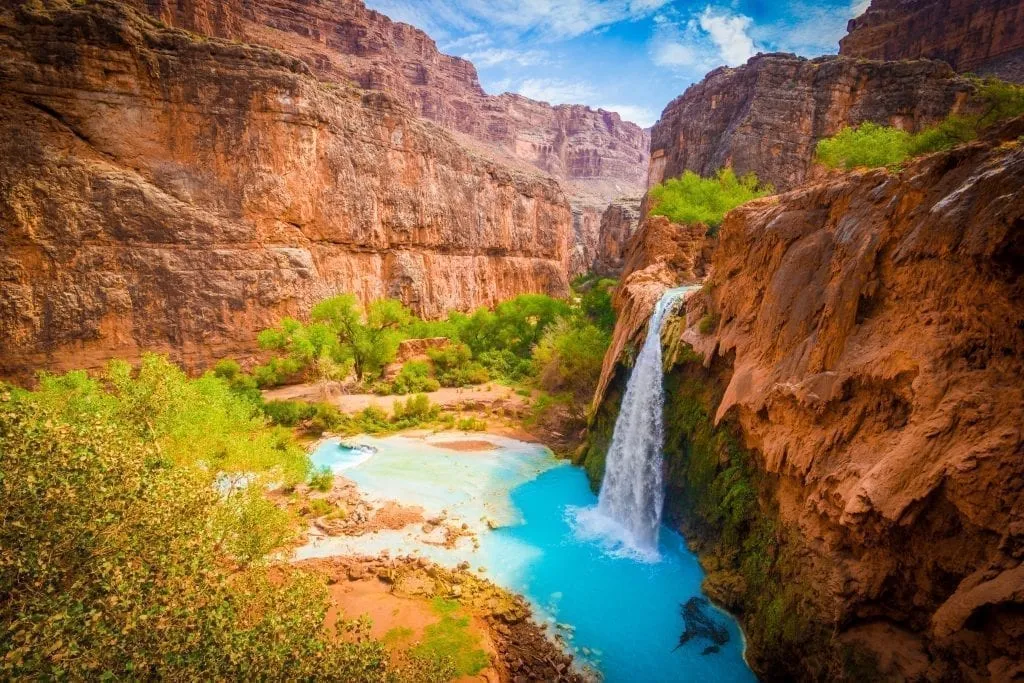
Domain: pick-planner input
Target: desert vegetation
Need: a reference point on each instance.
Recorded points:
(693, 199)
(870, 145)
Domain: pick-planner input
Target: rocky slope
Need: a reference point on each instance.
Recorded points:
(618, 223)
(981, 36)
(845, 442)
(596, 154)
(768, 115)
(165, 191)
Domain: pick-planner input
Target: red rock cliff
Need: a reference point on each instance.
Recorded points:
(873, 327)
(165, 191)
(597, 154)
(768, 115)
(981, 36)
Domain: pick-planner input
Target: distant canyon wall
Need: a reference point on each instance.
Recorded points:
(163, 190)
(594, 152)
(767, 115)
(985, 37)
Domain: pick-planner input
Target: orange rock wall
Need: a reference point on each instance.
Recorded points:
(170, 192)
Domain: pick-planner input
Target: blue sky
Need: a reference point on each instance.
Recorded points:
(630, 56)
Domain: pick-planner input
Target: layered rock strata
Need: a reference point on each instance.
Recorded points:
(594, 152)
(618, 223)
(170, 192)
(980, 36)
(767, 116)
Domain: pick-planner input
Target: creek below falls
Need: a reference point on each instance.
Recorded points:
(619, 610)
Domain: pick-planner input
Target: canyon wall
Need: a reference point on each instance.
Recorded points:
(981, 36)
(768, 115)
(618, 223)
(596, 154)
(162, 190)
(845, 419)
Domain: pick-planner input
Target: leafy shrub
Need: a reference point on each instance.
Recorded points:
(569, 357)
(596, 304)
(118, 547)
(454, 367)
(868, 145)
(471, 424)
(505, 365)
(414, 411)
(450, 640)
(326, 418)
(692, 199)
(413, 378)
(873, 146)
(288, 413)
(322, 480)
(275, 372)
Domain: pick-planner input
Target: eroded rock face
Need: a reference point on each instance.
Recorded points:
(595, 152)
(874, 326)
(618, 223)
(768, 115)
(980, 36)
(169, 192)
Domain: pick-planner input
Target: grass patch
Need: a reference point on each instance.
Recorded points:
(451, 640)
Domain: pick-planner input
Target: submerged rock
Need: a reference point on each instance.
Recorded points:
(700, 625)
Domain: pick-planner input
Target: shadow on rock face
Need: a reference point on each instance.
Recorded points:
(700, 625)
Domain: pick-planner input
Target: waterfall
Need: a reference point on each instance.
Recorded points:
(633, 492)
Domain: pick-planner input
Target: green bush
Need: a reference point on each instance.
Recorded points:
(288, 413)
(868, 145)
(874, 146)
(471, 424)
(413, 378)
(322, 480)
(326, 418)
(596, 304)
(414, 411)
(454, 367)
(569, 357)
(120, 555)
(505, 365)
(692, 199)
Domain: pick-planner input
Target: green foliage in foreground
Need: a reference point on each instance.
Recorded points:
(692, 199)
(128, 551)
(873, 146)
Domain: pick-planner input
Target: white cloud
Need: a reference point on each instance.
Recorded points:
(555, 91)
(493, 56)
(814, 30)
(859, 7)
(641, 116)
(671, 53)
(729, 33)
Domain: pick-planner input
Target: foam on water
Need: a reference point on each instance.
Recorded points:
(615, 609)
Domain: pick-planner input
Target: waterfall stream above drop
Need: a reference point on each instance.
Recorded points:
(633, 492)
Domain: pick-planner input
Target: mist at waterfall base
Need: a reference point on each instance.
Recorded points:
(617, 612)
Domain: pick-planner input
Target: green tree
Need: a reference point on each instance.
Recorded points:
(692, 199)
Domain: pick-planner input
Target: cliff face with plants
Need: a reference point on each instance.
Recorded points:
(594, 153)
(844, 411)
(165, 191)
(980, 36)
(768, 115)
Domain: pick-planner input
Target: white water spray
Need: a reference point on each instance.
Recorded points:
(633, 492)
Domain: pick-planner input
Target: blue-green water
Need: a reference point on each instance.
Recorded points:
(617, 612)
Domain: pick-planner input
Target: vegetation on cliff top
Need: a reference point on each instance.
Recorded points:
(874, 146)
(135, 537)
(693, 199)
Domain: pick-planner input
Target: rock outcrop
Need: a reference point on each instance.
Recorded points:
(162, 190)
(768, 115)
(868, 333)
(980, 36)
(618, 223)
(594, 152)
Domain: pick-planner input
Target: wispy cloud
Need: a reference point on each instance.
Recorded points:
(810, 29)
(556, 91)
(493, 56)
(641, 116)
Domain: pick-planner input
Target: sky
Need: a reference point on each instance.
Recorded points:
(629, 56)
